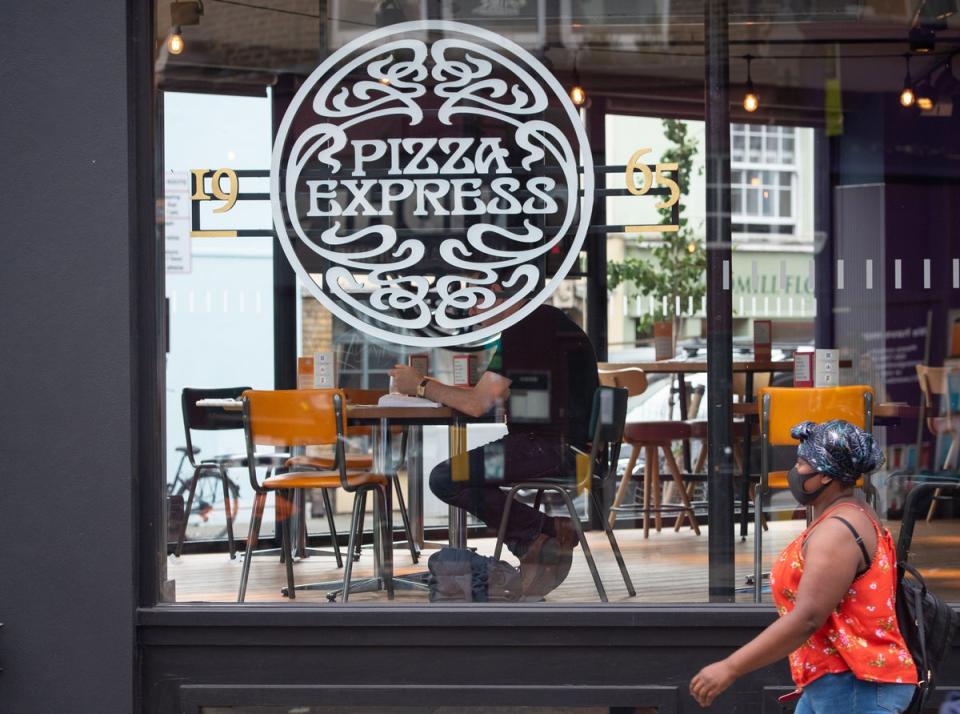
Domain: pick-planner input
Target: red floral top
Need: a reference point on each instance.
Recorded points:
(861, 635)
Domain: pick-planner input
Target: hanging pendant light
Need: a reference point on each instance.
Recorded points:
(751, 102)
(907, 96)
(578, 95)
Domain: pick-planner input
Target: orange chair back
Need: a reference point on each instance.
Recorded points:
(633, 379)
(781, 408)
(294, 417)
(363, 396)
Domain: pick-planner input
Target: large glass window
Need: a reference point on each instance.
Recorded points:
(498, 198)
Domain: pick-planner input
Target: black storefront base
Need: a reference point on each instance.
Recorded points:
(623, 657)
(617, 656)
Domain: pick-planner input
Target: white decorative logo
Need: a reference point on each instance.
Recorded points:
(421, 165)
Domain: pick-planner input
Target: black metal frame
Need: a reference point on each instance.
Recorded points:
(382, 518)
(604, 450)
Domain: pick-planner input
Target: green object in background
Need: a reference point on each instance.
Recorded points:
(833, 107)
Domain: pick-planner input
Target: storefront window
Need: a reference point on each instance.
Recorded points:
(500, 197)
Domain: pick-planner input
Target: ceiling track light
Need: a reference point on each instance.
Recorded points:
(907, 96)
(578, 95)
(751, 102)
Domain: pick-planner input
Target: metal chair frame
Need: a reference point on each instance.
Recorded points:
(215, 420)
(383, 526)
(606, 436)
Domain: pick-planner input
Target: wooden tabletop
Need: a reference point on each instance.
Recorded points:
(883, 410)
(693, 366)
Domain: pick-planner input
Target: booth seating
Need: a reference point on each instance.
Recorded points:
(606, 426)
(941, 418)
(305, 417)
(781, 408)
(653, 437)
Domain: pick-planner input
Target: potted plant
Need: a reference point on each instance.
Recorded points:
(675, 268)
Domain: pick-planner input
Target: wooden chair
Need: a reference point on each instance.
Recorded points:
(652, 437)
(303, 417)
(606, 423)
(935, 388)
(781, 408)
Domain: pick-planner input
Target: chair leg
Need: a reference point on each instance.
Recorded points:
(333, 527)
(504, 519)
(386, 540)
(757, 543)
(624, 483)
(678, 480)
(287, 545)
(657, 486)
(571, 509)
(362, 495)
(614, 546)
(414, 553)
(701, 457)
(351, 543)
(933, 505)
(647, 466)
(228, 510)
(186, 510)
(259, 502)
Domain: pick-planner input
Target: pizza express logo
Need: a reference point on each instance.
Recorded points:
(468, 134)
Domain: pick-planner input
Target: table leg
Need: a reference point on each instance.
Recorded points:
(747, 449)
(682, 395)
(457, 436)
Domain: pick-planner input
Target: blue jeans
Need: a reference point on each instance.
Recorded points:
(845, 693)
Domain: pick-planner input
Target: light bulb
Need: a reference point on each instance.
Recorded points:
(907, 97)
(578, 95)
(751, 102)
(175, 41)
(925, 103)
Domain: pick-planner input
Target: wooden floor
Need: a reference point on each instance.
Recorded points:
(667, 567)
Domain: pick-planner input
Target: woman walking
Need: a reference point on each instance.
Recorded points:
(834, 588)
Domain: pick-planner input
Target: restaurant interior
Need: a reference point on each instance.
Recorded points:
(838, 274)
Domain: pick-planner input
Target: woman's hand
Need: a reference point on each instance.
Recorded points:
(711, 682)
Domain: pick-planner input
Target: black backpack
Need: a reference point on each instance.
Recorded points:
(926, 622)
(460, 575)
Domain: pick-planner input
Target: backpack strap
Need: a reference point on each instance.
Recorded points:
(858, 539)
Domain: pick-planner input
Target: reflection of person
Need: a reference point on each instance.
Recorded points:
(834, 587)
(551, 366)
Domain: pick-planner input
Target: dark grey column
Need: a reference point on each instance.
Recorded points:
(719, 305)
(596, 244)
(71, 323)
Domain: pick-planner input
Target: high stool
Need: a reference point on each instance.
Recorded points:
(655, 437)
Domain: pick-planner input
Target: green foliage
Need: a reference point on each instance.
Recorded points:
(678, 262)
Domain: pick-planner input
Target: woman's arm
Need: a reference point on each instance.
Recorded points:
(830, 565)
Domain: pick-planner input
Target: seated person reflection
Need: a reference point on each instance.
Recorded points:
(544, 371)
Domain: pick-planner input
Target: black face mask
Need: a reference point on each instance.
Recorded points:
(796, 480)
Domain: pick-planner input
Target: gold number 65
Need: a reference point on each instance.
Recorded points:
(649, 178)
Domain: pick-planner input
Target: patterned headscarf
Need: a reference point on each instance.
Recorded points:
(838, 448)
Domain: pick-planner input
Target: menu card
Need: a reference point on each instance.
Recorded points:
(663, 340)
(420, 362)
(803, 368)
(465, 370)
(317, 372)
(826, 368)
(762, 340)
